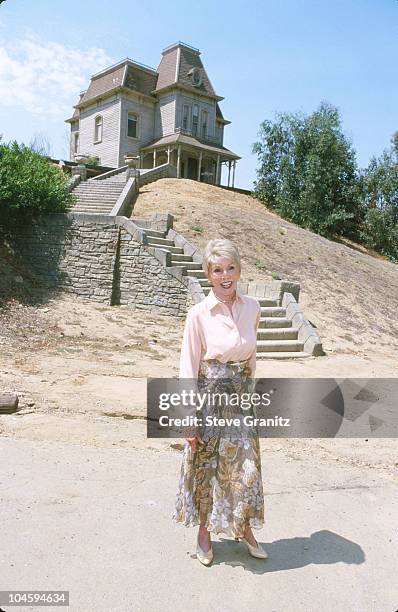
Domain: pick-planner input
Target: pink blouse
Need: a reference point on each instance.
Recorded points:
(212, 333)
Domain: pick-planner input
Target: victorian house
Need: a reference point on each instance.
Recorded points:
(169, 115)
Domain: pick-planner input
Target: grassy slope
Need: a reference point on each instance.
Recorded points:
(348, 293)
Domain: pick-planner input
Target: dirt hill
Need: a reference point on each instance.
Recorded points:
(350, 294)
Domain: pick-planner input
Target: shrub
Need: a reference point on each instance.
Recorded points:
(29, 184)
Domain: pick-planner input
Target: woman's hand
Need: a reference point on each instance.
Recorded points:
(194, 442)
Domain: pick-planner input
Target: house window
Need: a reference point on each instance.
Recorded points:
(185, 117)
(204, 124)
(98, 129)
(195, 119)
(132, 125)
(76, 142)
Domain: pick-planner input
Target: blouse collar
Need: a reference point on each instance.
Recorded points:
(212, 301)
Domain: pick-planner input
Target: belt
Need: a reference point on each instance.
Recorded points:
(225, 362)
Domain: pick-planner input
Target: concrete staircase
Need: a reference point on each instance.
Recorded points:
(98, 196)
(276, 338)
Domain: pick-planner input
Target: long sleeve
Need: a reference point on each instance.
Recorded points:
(191, 348)
(252, 361)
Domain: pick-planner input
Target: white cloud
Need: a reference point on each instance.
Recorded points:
(45, 77)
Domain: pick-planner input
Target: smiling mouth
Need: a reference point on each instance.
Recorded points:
(226, 285)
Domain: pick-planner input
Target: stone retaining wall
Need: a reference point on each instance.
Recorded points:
(93, 257)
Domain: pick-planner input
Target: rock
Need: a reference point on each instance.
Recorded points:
(8, 403)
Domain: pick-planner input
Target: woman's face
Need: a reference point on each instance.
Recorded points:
(224, 274)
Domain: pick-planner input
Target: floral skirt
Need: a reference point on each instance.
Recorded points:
(220, 485)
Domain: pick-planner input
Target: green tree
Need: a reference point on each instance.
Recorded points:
(307, 172)
(394, 144)
(29, 184)
(380, 185)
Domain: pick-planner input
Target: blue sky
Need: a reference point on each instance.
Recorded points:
(262, 56)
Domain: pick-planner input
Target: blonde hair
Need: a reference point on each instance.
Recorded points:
(219, 248)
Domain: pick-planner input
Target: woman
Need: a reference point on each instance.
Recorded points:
(220, 486)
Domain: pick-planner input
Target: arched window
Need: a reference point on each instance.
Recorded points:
(98, 128)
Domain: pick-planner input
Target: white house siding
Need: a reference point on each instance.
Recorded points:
(146, 117)
(107, 150)
(220, 132)
(207, 105)
(165, 116)
(74, 128)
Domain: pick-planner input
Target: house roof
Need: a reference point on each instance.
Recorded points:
(139, 80)
(175, 68)
(190, 141)
(102, 84)
(128, 74)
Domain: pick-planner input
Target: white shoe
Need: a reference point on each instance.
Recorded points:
(204, 557)
(255, 551)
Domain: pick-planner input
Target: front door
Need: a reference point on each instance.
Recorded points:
(192, 168)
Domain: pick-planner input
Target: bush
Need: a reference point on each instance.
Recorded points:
(308, 172)
(29, 185)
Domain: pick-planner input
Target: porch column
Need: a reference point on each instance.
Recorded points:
(141, 160)
(154, 158)
(178, 161)
(200, 165)
(217, 181)
(233, 173)
(168, 155)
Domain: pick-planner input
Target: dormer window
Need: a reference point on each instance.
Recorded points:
(98, 129)
(196, 76)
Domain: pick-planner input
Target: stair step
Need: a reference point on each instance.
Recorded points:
(154, 233)
(160, 241)
(92, 207)
(97, 192)
(100, 200)
(275, 322)
(87, 188)
(174, 250)
(97, 211)
(273, 311)
(120, 178)
(279, 345)
(284, 333)
(267, 302)
(282, 355)
(196, 273)
(180, 258)
(188, 264)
